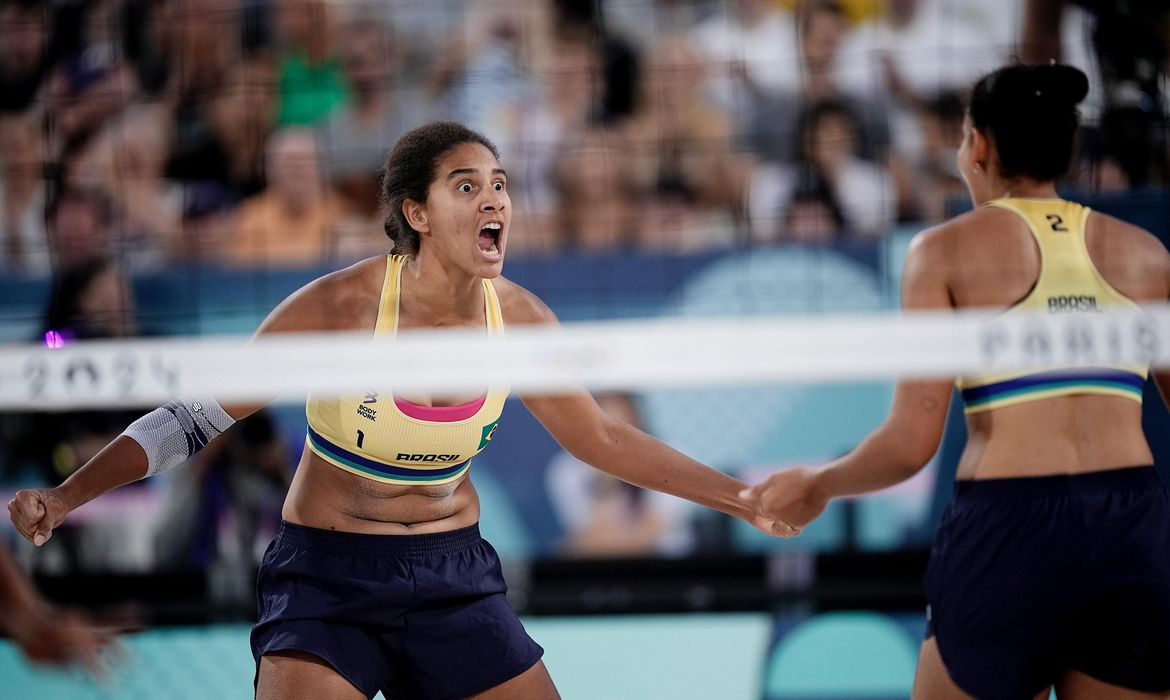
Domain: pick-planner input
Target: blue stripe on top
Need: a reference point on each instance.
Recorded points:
(388, 470)
(1118, 379)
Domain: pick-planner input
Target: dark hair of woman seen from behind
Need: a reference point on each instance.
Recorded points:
(409, 170)
(1030, 114)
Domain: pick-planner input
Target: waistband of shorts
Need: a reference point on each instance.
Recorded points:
(1123, 479)
(420, 545)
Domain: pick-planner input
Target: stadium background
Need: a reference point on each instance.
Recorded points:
(176, 167)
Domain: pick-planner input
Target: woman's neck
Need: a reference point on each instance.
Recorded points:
(1024, 188)
(440, 293)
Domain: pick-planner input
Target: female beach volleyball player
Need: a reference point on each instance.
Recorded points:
(1052, 564)
(378, 578)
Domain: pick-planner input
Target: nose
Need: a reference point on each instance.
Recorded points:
(492, 201)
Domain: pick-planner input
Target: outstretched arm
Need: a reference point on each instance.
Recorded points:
(901, 445)
(36, 512)
(622, 451)
(619, 449)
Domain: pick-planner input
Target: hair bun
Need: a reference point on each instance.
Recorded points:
(1064, 83)
(1057, 84)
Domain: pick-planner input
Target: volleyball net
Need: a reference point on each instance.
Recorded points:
(625, 355)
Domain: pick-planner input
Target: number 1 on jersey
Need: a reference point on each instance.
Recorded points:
(361, 437)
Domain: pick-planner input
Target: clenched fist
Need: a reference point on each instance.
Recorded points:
(35, 512)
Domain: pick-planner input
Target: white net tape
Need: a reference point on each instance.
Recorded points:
(613, 355)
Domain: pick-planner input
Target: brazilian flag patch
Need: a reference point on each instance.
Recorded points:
(489, 431)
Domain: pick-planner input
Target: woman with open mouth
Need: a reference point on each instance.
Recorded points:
(378, 579)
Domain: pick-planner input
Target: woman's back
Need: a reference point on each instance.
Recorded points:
(993, 261)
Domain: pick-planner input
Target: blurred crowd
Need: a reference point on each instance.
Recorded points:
(137, 135)
(252, 132)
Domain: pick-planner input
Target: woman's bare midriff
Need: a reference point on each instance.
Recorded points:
(326, 497)
(1064, 435)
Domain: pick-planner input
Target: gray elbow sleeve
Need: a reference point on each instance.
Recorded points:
(174, 432)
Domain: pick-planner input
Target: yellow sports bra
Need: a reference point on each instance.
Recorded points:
(392, 441)
(1068, 283)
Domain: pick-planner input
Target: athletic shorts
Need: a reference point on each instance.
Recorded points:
(415, 616)
(1032, 577)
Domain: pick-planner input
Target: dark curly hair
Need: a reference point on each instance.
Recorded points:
(1030, 113)
(410, 168)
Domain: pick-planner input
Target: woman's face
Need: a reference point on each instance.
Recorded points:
(832, 141)
(106, 304)
(468, 211)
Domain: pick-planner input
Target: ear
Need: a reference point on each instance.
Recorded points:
(980, 147)
(416, 216)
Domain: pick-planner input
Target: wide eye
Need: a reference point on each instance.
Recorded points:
(466, 188)
(498, 185)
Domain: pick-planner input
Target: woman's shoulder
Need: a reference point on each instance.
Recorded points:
(981, 225)
(346, 299)
(521, 307)
(1130, 235)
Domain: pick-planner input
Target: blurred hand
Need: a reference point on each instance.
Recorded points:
(35, 512)
(48, 634)
(788, 497)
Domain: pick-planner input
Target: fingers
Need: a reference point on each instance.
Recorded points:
(42, 534)
(786, 530)
(120, 619)
(83, 642)
(27, 513)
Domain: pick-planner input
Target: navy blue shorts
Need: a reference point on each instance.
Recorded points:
(1032, 577)
(415, 616)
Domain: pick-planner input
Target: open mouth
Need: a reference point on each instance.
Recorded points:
(489, 239)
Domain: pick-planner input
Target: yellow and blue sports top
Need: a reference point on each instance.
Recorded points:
(1068, 283)
(387, 439)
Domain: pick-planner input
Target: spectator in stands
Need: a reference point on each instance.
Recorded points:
(221, 137)
(500, 73)
(24, 53)
(861, 190)
(93, 81)
(772, 133)
(620, 64)
(182, 49)
(599, 203)
(310, 76)
(80, 225)
(604, 517)
(918, 48)
(295, 220)
(684, 163)
(383, 107)
(126, 160)
(937, 177)
(566, 110)
(751, 51)
(23, 242)
(209, 211)
(812, 215)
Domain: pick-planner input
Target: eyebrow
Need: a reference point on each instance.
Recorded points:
(472, 171)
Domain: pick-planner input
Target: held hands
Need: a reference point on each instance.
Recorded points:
(35, 512)
(788, 498)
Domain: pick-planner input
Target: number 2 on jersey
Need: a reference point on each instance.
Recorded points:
(1057, 222)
